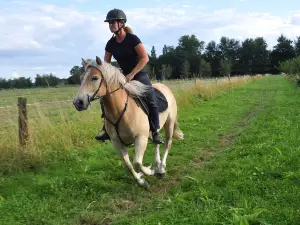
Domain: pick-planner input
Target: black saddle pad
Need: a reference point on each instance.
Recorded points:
(160, 99)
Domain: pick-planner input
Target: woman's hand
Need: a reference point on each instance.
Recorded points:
(129, 77)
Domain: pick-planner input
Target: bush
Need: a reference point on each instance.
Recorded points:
(292, 69)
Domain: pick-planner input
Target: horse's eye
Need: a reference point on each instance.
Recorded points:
(94, 78)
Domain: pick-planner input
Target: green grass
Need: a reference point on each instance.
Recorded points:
(34, 95)
(56, 127)
(239, 164)
(46, 95)
(252, 174)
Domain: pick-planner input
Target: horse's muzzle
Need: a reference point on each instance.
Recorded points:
(79, 104)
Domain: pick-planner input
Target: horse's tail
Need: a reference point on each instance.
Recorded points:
(177, 133)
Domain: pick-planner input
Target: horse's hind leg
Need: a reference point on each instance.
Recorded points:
(125, 156)
(169, 129)
(140, 148)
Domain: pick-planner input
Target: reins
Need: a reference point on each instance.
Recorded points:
(94, 97)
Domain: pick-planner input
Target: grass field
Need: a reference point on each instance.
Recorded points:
(239, 164)
(55, 126)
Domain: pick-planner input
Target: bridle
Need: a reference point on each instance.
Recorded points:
(94, 97)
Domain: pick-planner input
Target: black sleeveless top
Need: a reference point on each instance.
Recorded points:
(124, 52)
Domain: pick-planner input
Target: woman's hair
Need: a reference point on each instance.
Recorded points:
(128, 29)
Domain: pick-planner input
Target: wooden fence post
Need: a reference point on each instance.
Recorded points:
(229, 78)
(23, 122)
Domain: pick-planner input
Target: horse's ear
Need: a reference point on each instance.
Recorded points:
(85, 62)
(98, 60)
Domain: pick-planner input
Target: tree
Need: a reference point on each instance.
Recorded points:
(254, 56)
(212, 55)
(164, 50)
(247, 55)
(167, 49)
(212, 51)
(20, 82)
(229, 49)
(153, 53)
(172, 58)
(261, 56)
(204, 69)
(151, 71)
(225, 67)
(283, 51)
(4, 84)
(166, 71)
(191, 44)
(53, 80)
(190, 49)
(185, 71)
(297, 46)
(46, 80)
(75, 72)
(40, 81)
(114, 63)
(153, 64)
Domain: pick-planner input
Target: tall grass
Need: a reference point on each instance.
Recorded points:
(58, 132)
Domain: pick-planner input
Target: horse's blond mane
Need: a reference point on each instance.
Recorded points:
(113, 76)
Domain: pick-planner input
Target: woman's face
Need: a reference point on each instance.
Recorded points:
(114, 25)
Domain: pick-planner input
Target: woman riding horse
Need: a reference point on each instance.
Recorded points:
(132, 57)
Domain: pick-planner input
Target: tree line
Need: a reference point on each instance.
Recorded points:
(192, 58)
(45, 80)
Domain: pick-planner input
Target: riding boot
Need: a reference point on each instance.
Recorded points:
(154, 125)
(103, 137)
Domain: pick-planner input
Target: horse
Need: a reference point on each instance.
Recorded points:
(125, 120)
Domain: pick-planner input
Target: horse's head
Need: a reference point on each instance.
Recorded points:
(92, 84)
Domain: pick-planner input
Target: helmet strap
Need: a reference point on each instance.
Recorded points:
(120, 27)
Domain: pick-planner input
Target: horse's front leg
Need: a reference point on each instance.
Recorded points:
(157, 158)
(125, 156)
(140, 148)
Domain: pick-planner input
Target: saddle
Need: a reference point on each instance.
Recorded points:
(160, 99)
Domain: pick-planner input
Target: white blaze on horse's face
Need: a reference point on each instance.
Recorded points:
(90, 83)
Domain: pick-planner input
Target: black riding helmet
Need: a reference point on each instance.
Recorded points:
(115, 14)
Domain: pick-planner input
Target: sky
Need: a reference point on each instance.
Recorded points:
(51, 36)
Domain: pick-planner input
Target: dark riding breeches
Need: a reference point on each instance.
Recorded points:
(143, 77)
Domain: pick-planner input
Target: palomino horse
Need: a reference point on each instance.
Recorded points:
(126, 122)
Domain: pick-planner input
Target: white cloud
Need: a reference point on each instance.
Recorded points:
(43, 38)
(15, 75)
(40, 35)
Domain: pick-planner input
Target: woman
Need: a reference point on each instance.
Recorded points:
(132, 57)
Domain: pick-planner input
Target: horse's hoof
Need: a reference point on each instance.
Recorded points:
(160, 175)
(146, 186)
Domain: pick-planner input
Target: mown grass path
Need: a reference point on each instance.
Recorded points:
(239, 164)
